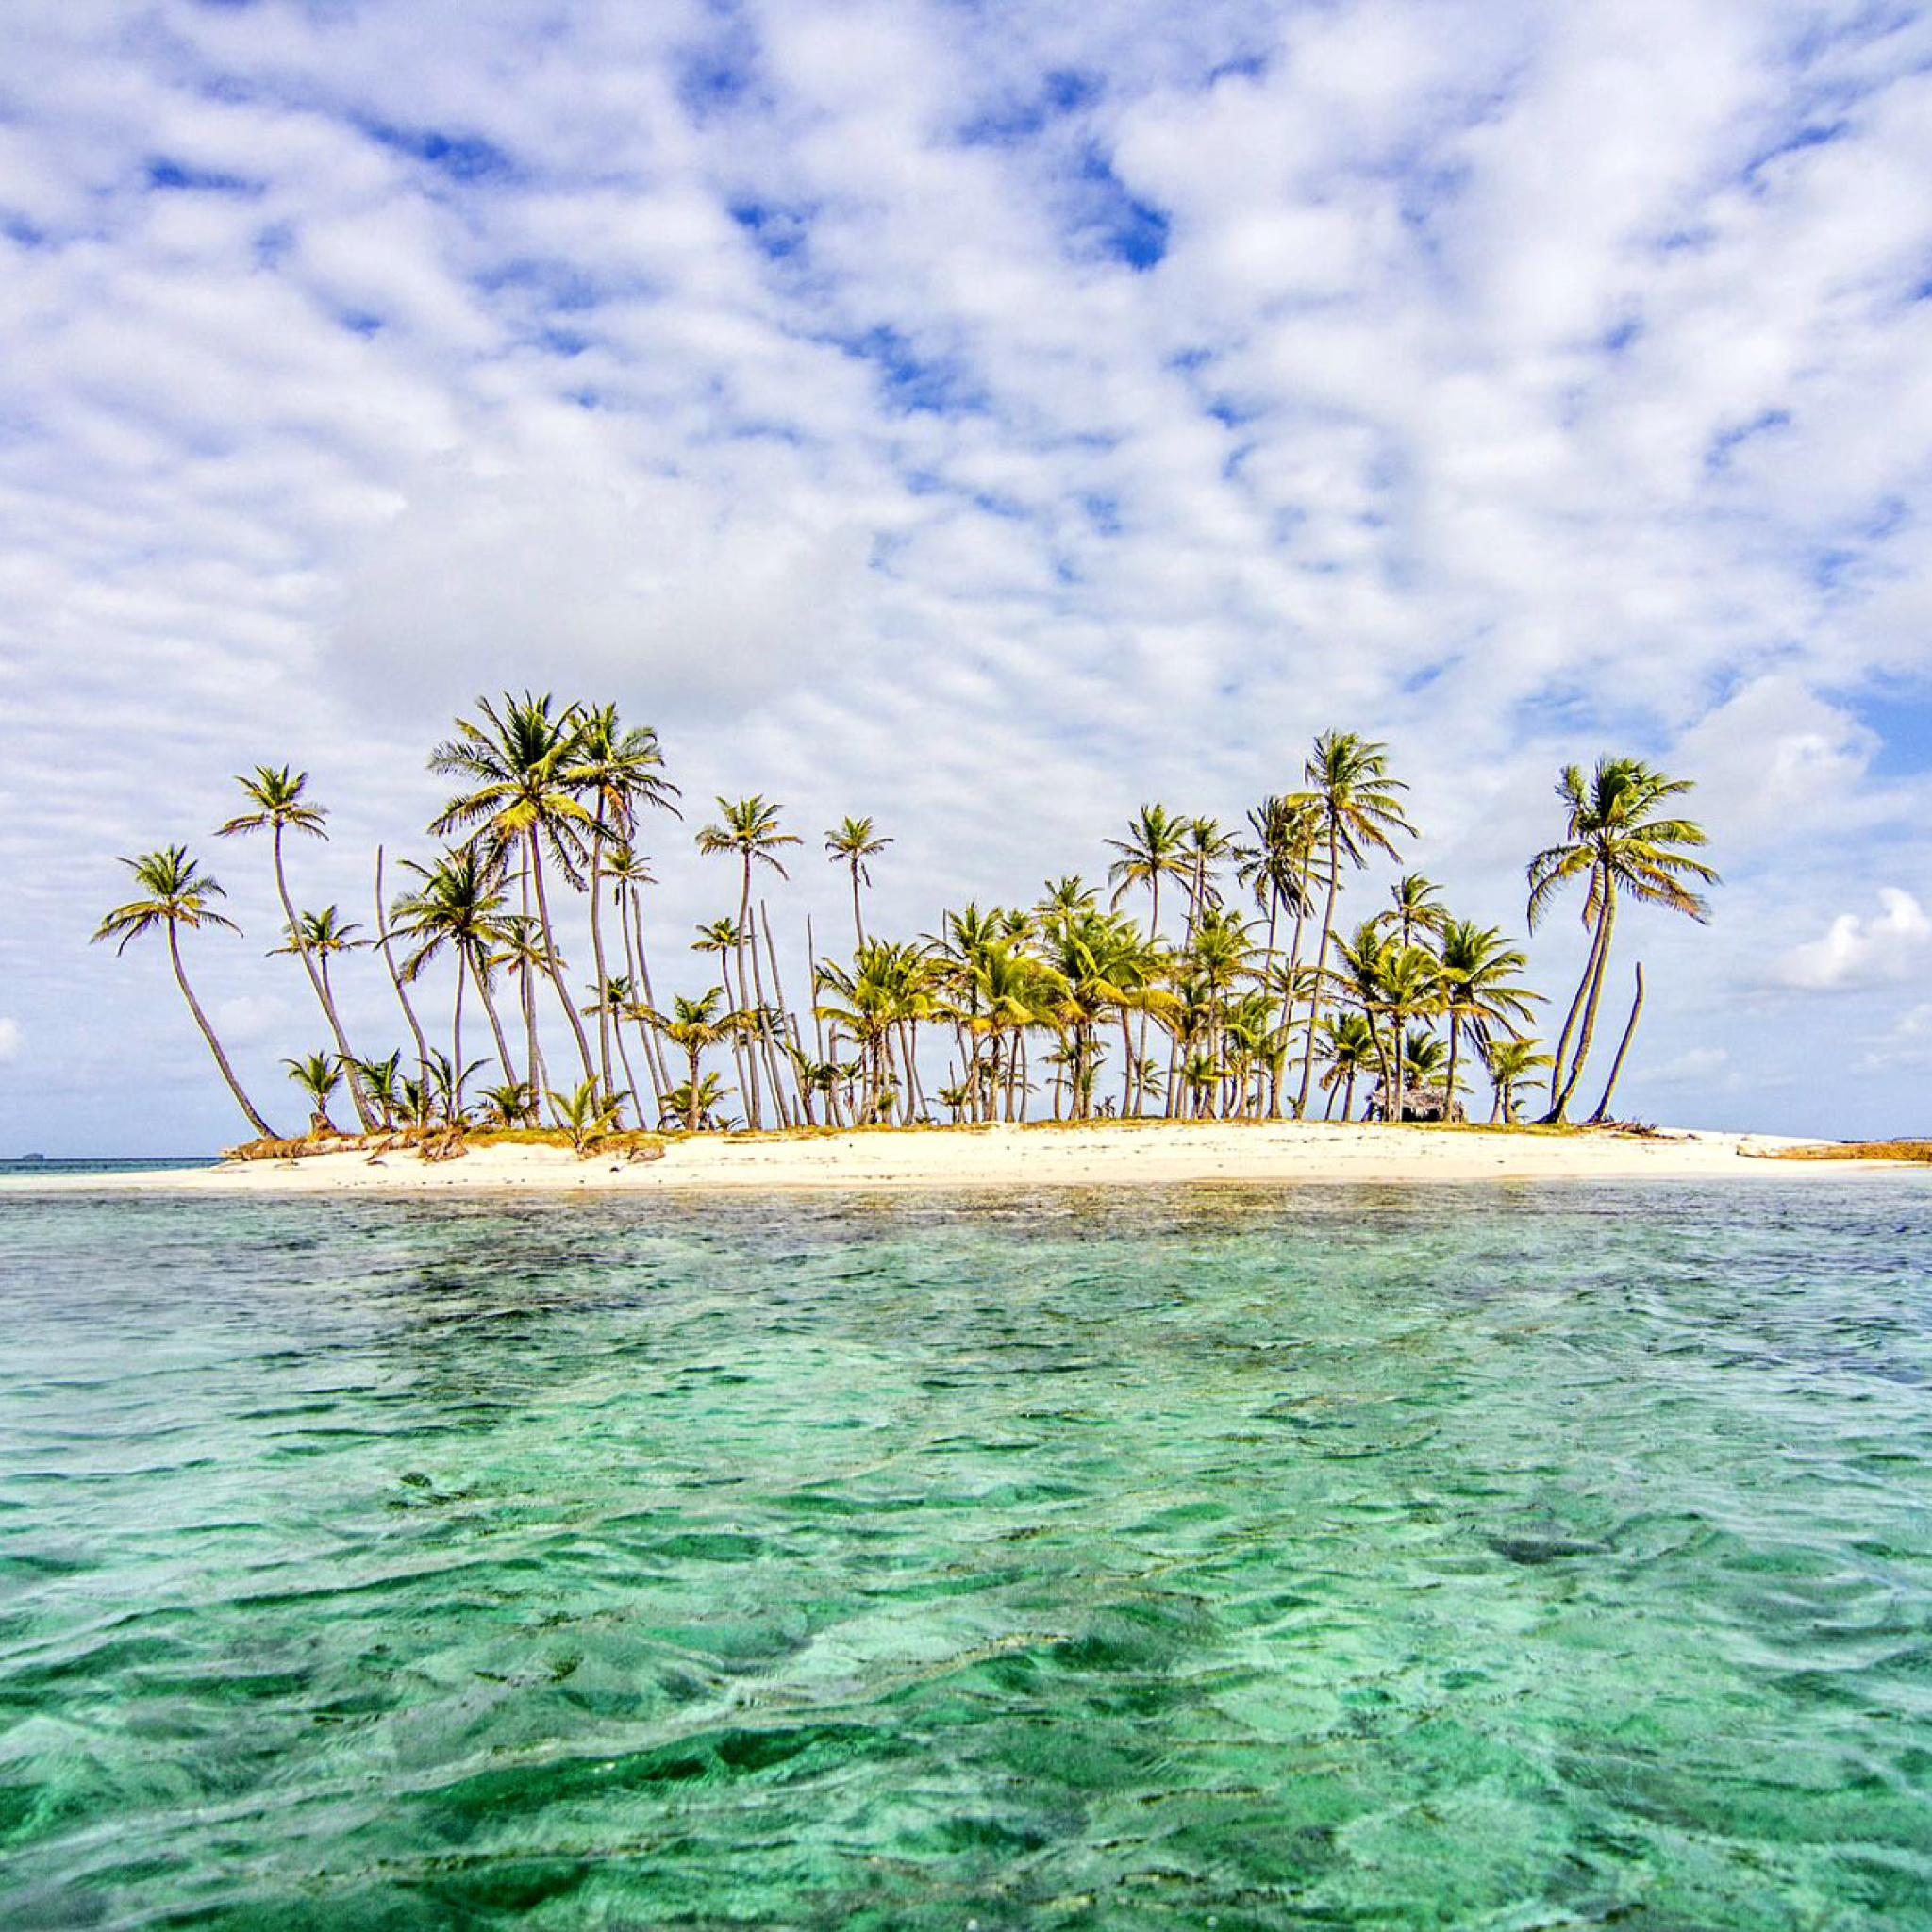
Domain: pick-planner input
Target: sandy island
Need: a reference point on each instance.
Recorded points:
(1102, 1154)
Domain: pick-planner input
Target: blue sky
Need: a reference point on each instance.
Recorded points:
(987, 419)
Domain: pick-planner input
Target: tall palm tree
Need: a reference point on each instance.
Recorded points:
(1617, 839)
(749, 829)
(385, 942)
(851, 843)
(1349, 787)
(631, 871)
(516, 765)
(457, 906)
(1154, 849)
(323, 936)
(1416, 907)
(1477, 973)
(1411, 985)
(617, 769)
(176, 892)
(275, 796)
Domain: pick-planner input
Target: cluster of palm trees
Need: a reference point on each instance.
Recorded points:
(1237, 997)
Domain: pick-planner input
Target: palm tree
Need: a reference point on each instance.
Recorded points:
(175, 893)
(630, 871)
(519, 765)
(1350, 788)
(320, 936)
(617, 769)
(1348, 1050)
(511, 1105)
(1478, 989)
(275, 796)
(318, 1076)
(586, 1113)
(381, 1080)
(1154, 849)
(1508, 1064)
(386, 945)
(1616, 840)
(851, 843)
(1278, 868)
(457, 906)
(1411, 984)
(749, 827)
(1415, 908)
(693, 1026)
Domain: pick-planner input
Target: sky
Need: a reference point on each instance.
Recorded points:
(985, 418)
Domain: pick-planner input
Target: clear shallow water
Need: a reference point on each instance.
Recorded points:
(1467, 1558)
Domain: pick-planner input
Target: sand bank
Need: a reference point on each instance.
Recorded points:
(1105, 1153)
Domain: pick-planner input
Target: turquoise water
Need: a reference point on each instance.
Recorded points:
(1489, 1558)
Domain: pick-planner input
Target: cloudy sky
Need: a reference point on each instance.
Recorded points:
(986, 418)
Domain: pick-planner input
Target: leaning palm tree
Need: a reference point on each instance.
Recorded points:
(851, 843)
(175, 893)
(518, 767)
(323, 936)
(749, 829)
(1349, 787)
(275, 796)
(1616, 842)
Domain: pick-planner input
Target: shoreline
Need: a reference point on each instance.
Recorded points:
(1098, 1153)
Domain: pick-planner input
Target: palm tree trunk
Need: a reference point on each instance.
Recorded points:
(654, 1046)
(495, 1022)
(1294, 960)
(1602, 1105)
(1301, 1101)
(857, 924)
(597, 953)
(396, 978)
(691, 1110)
(1449, 1089)
(754, 1111)
(1606, 920)
(551, 960)
(319, 985)
(1589, 963)
(455, 1065)
(774, 1066)
(207, 1033)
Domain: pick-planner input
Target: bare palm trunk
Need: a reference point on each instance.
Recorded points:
(319, 984)
(597, 953)
(1590, 965)
(396, 978)
(857, 924)
(654, 1046)
(214, 1045)
(772, 1024)
(754, 1111)
(1449, 1089)
(1602, 1105)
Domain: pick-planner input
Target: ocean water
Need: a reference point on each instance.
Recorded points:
(1491, 1556)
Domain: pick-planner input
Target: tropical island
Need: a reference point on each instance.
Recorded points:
(1242, 998)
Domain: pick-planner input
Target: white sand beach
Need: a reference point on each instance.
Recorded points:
(1102, 1154)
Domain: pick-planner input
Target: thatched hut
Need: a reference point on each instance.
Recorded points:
(1418, 1103)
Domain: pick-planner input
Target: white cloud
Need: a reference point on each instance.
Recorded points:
(9, 1039)
(1889, 946)
(1697, 1064)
